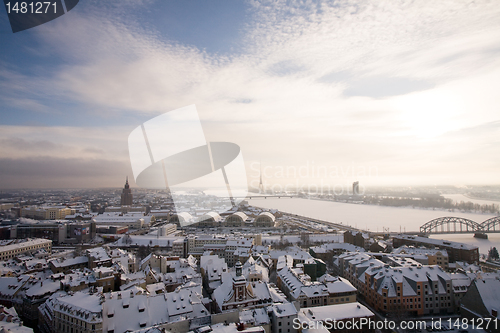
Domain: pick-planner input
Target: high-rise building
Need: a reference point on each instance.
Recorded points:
(355, 188)
(126, 195)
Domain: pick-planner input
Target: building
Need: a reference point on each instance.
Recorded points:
(234, 220)
(98, 257)
(346, 316)
(327, 251)
(126, 199)
(236, 293)
(434, 256)
(414, 288)
(126, 209)
(482, 300)
(10, 321)
(237, 219)
(125, 311)
(210, 219)
(456, 251)
(46, 212)
(179, 248)
(29, 246)
(111, 229)
(355, 188)
(282, 318)
(57, 231)
(357, 238)
(64, 265)
(264, 220)
(298, 287)
(182, 219)
(105, 278)
(131, 220)
(167, 229)
(297, 255)
(460, 282)
(212, 268)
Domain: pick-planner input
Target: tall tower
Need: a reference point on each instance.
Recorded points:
(126, 195)
(261, 186)
(355, 188)
(239, 284)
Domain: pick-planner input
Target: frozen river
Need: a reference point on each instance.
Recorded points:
(368, 217)
(375, 218)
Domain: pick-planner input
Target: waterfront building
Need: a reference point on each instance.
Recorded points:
(434, 256)
(408, 288)
(456, 251)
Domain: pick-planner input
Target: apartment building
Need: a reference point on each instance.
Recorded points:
(456, 251)
(415, 288)
(29, 246)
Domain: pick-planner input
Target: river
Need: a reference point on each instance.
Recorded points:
(376, 218)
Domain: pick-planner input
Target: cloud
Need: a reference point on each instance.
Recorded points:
(378, 87)
(64, 142)
(52, 172)
(370, 82)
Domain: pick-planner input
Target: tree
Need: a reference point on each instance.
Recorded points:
(304, 238)
(143, 252)
(493, 254)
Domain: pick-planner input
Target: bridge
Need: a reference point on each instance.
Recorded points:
(266, 196)
(449, 224)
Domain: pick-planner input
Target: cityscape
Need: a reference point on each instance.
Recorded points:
(124, 260)
(254, 166)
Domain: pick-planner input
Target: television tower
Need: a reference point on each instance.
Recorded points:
(261, 185)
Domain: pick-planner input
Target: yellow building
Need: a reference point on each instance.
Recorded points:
(46, 212)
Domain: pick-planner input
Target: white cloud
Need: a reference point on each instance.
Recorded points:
(273, 99)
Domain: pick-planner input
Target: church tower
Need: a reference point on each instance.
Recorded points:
(239, 284)
(126, 195)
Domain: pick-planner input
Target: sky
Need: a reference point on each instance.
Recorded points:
(324, 93)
